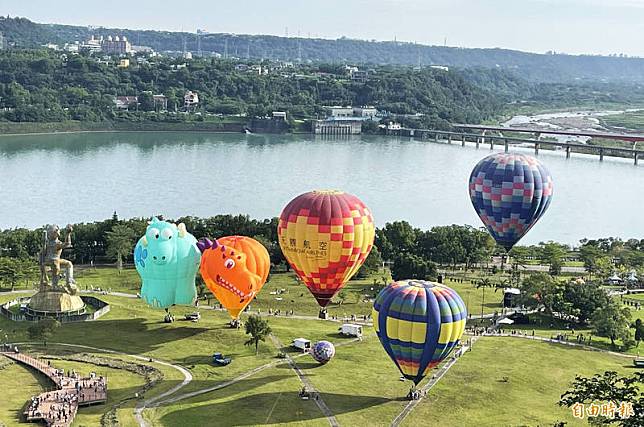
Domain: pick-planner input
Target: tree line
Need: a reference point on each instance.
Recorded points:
(548, 67)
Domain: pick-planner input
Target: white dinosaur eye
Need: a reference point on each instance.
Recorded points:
(153, 233)
(229, 263)
(167, 233)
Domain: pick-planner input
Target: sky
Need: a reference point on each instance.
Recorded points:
(567, 26)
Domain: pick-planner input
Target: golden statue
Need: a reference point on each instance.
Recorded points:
(54, 296)
(50, 257)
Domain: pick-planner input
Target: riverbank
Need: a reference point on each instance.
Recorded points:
(73, 126)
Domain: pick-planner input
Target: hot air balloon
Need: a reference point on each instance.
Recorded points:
(234, 268)
(325, 236)
(510, 192)
(322, 351)
(418, 324)
(167, 259)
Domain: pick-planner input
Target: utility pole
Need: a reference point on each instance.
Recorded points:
(482, 302)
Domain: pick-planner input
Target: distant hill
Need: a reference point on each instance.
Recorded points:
(536, 67)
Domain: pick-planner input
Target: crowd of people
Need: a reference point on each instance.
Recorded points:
(55, 407)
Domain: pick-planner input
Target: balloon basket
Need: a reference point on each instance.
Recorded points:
(323, 314)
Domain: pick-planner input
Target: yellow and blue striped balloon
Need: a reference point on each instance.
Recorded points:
(418, 324)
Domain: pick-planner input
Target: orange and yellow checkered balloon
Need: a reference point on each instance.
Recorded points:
(325, 236)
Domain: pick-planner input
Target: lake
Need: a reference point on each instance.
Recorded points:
(84, 177)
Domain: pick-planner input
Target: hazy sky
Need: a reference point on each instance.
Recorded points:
(572, 26)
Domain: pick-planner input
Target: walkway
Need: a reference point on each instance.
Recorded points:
(436, 377)
(308, 385)
(58, 408)
(187, 376)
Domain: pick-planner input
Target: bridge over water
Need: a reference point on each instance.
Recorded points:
(479, 135)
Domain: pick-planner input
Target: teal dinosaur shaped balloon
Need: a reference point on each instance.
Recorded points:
(167, 259)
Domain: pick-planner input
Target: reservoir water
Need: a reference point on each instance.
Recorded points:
(85, 177)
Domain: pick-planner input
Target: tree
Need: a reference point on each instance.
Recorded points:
(146, 101)
(371, 265)
(583, 299)
(612, 321)
(552, 253)
(258, 329)
(120, 241)
(540, 289)
(43, 330)
(410, 266)
(396, 238)
(639, 331)
(609, 387)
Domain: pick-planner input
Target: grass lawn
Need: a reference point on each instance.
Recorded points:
(268, 398)
(473, 297)
(545, 327)
(360, 385)
(18, 385)
(473, 392)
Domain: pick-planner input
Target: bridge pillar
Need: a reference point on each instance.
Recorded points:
(462, 140)
(536, 148)
(478, 141)
(567, 151)
(482, 139)
(635, 157)
(449, 138)
(601, 154)
(491, 143)
(537, 135)
(436, 137)
(506, 144)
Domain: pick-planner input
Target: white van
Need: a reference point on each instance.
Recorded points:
(351, 330)
(301, 343)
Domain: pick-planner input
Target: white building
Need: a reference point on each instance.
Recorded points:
(369, 112)
(190, 100)
(341, 111)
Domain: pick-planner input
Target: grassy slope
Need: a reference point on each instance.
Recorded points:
(473, 393)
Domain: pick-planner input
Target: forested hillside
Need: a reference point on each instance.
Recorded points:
(43, 85)
(535, 67)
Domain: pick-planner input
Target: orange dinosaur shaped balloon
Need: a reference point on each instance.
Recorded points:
(234, 268)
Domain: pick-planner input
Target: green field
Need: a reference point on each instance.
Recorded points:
(360, 385)
(631, 120)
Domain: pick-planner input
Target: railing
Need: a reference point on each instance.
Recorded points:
(102, 308)
(492, 140)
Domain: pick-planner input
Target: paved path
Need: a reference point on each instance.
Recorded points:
(310, 388)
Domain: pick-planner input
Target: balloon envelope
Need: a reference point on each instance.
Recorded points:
(325, 236)
(167, 259)
(323, 351)
(510, 192)
(234, 268)
(418, 324)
